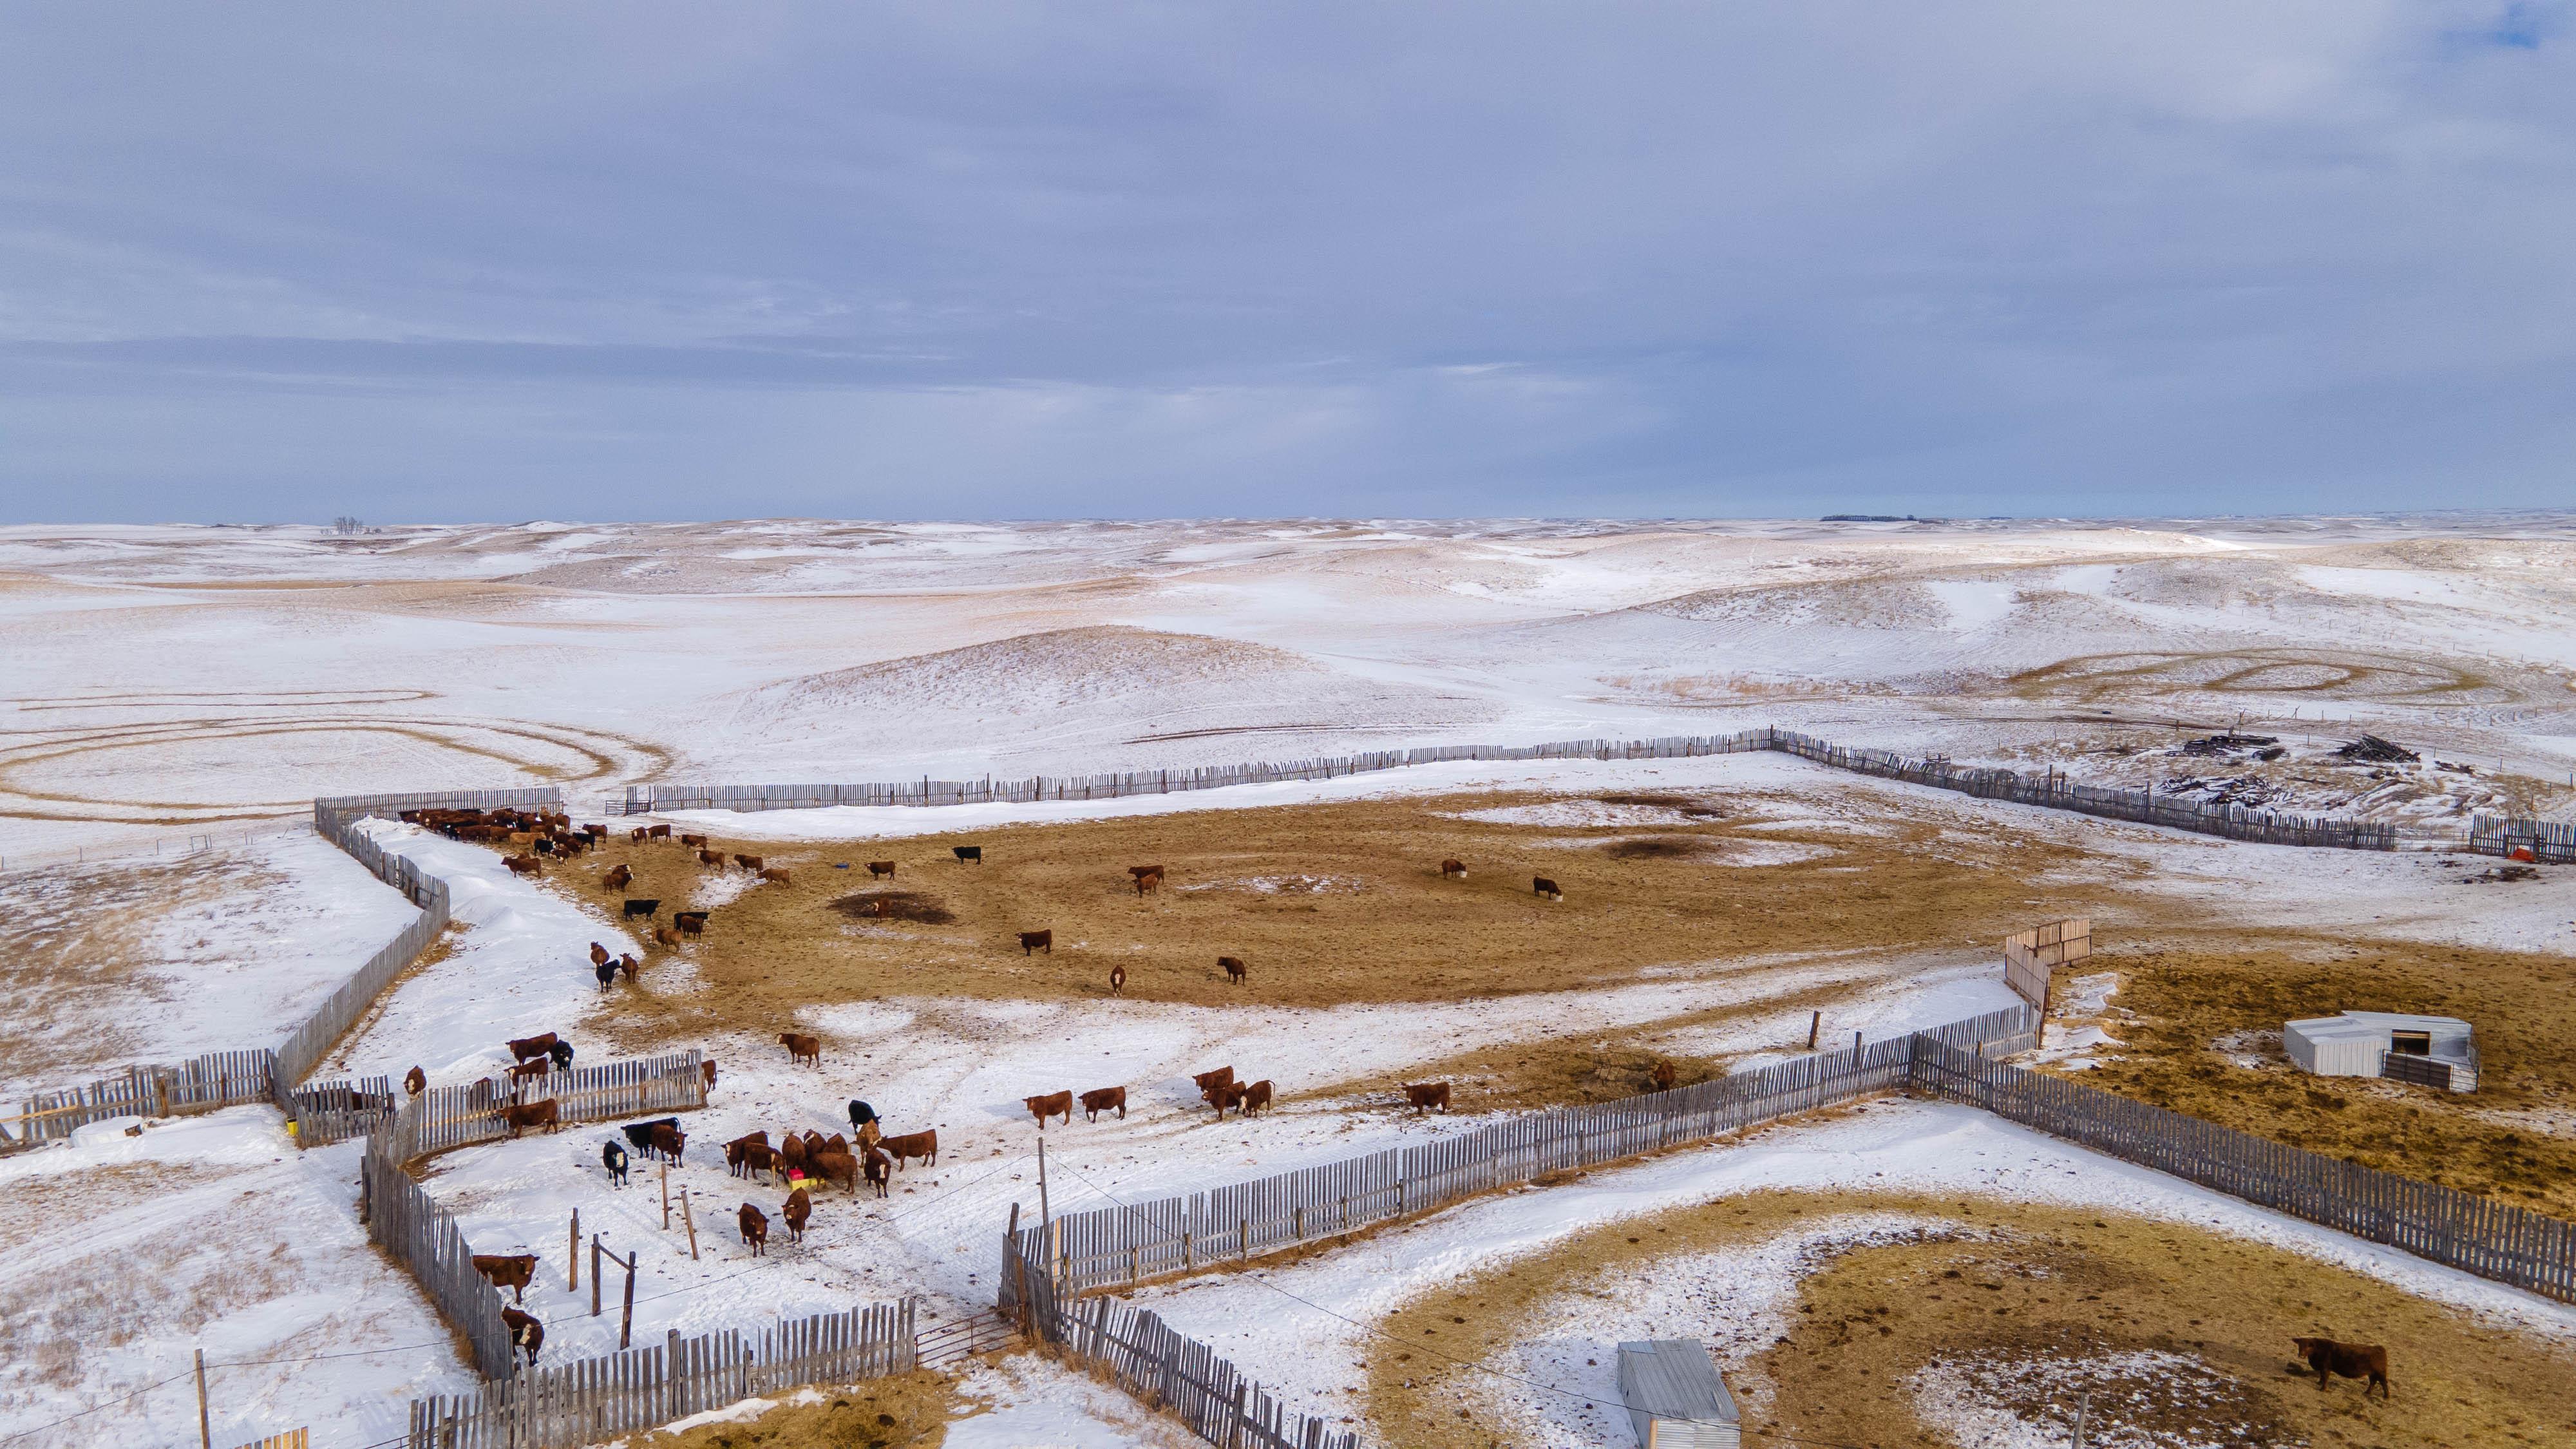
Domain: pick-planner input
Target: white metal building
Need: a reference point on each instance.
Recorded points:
(1675, 1397)
(2433, 1050)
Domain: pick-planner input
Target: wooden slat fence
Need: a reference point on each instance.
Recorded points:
(327, 1112)
(1160, 1366)
(2548, 840)
(217, 1079)
(2048, 790)
(443, 1119)
(2490, 1239)
(423, 1237)
(1130, 1244)
(2032, 957)
(593, 1400)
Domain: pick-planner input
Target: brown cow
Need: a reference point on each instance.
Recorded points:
(1206, 1080)
(524, 864)
(1541, 886)
(924, 1145)
(1256, 1098)
(802, 1048)
(838, 1167)
(529, 1071)
(750, 863)
(1424, 1096)
(755, 1229)
(639, 834)
(1234, 970)
(879, 1168)
(1117, 980)
(667, 1140)
(707, 1070)
(415, 1082)
(792, 1153)
(1224, 1095)
(598, 954)
(523, 1115)
(525, 1047)
(2351, 1360)
(777, 875)
(711, 857)
(1662, 1076)
(526, 1332)
(1144, 870)
(1031, 941)
(628, 964)
(834, 1143)
(881, 869)
(1150, 881)
(1101, 1099)
(657, 832)
(799, 1208)
(699, 841)
(1453, 870)
(1050, 1105)
(618, 879)
(514, 1271)
(665, 936)
(747, 1155)
(689, 923)
(813, 1144)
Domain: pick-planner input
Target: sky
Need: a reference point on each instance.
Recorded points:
(278, 263)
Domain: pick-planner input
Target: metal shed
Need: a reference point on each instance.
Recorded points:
(2433, 1050)
(1675, 1397)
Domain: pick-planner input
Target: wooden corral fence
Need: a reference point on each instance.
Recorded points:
(217, 1079)
(2049, 790)
(291, 1439)
(2490, 1239)
(594, 1400)
(445, 1118)
(1159, 1366)
(2547, 840)
(423, 1237)
(1127, 1245)
(327, 1112)
(2032, 956)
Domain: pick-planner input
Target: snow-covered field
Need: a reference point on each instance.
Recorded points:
(168, 682)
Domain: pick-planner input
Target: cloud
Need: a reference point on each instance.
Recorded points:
(1027, 260)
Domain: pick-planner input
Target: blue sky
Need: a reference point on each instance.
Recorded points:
(455, 262)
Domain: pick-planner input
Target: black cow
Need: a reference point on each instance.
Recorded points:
(645, 909)
(861, 1114)
(613, 1157)
(967, 853)
(561, 1054)
(640, 1134)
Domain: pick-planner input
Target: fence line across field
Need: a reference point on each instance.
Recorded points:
(596, 1399)
(2547, 840)
(217, 1079)
(2050, 790)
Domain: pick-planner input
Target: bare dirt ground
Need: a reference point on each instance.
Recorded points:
(2004, 1306)
(882, 1413)
(2201, 1034)
(1328, 904)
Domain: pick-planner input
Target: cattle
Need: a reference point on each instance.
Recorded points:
(1144, 870)
(881, 869)
(606, 971)
(645, 909)
(707, 1073)
(1224, 1095)
(968, 853)
(1453, 870)
(613, 1157)
(777, 875)
(658, 832)
(1541, 886)
(523, 1115)
(799, 1208)
(1049, 1105)
(1117, 980)
(514, 1271)
(666, 936)
(1150, 881)
(750, 863)
(689, 923)
(924, 1145)
(834, 1143)
(2351, 1360)
(861, 1114)
(1425, 1096)
(1031, 941)
(879, 1168)
(1662, 1076)
(711, 857)
(755, 1229)
(802, 1048)
(1206, 1080)
(746, 1158)
(1101, 1099)
(524, 864)
(618, 879)
(737, 1151)
(415, 1081)
(529, 1071)
(639, 834)
(542, 845)
(872, 1134)
(699, 841)
(598, 954)
(792, 1153)
(597, 835)
(561, 1054)
(526, 1332)
(630, 966)
(525, 1047)
(838, 1167)
(1256, 1098)
(1234, 969)
(643, 1135)
(668, 1141)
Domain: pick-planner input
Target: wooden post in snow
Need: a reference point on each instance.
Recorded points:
(572, 1256)
(691, 1220)
(205, 1427)
(1815, 1023)
(626, 1323)
(594, 1275)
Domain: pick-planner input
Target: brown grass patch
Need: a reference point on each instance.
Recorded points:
(1327, 903)
(81, 943)
(905, 1409)
(2190, 994)
(1995, 1283)
(911, 906)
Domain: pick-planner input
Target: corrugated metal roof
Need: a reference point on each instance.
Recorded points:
(1672, 1378)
